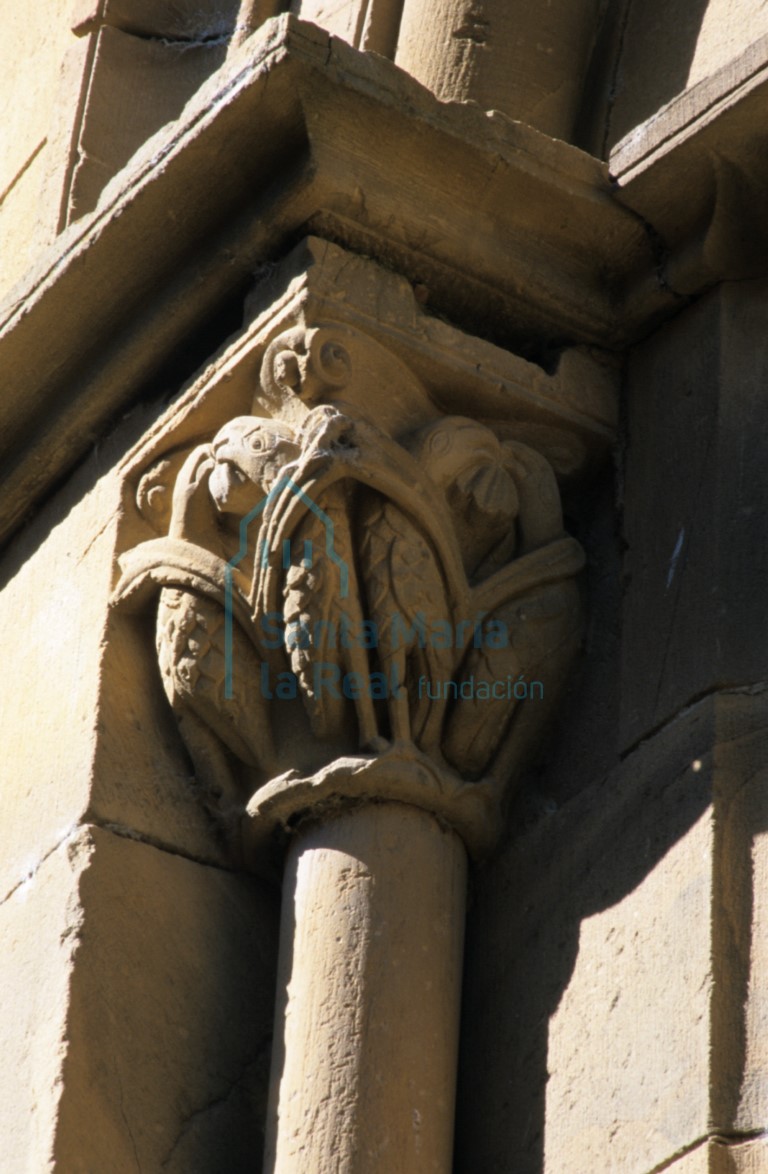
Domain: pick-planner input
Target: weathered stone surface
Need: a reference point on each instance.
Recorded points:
(369, 983)
(167, 1031)
(36, 38)
(644, 1029)
(39, 36)
(626, 1068)
(176, 228)
(53, 625)
(652, 61)
(526, 60)
(137, 85)
(584, 742)
(694, 612)
(723, 1157)
(667, 48)
(694, 172)
(137, 995)
(727, 28)
(739, 1083)
(39, 924)
(749, 1157)
(192, 20)
(371, 25)
(697, 1160)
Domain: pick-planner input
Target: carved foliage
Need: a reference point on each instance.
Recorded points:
(355, 577)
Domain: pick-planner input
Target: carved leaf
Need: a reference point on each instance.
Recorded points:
(192, 656)
(543, 629)
(406, 600)
(315, 611)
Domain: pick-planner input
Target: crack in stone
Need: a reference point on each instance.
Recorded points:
(749, 690)
(725, 1140)
(218, 32)
(210, 1106)
(615, 77)
(197, 42)
(22, 171)
(126, 1122)
(683, 1152)
(660, 251)
(32, 872)
(99, 533)
(116, 829)
(128, 833)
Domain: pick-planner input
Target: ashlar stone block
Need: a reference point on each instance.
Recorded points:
(668, 46)
(35, 39)
(169, 1019)
(695, 486)
(640, 908)
(137, 85)
(724, 1157)
(40, 919)
(137, 1000)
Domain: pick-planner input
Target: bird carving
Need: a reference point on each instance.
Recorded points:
(506, 507)
(427, 541)
(214, 686)
(193, 660)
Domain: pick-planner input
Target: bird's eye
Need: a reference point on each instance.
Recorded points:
(439, 443)
(257, 443)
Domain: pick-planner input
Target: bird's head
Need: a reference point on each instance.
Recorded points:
(467, 462)
(247, 453)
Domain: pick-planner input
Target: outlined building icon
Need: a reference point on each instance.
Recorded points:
(262, 559)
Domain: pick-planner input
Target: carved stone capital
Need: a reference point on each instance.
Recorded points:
(362, 583)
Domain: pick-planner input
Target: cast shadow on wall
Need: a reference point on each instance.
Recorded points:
(642, 60)
(578, 1030)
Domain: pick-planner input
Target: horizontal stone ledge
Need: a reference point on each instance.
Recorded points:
(512, 235)
(636, 902)
(296, 131)
(697, 171)
(156, 18)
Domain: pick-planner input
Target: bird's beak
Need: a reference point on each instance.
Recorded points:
(490, 489)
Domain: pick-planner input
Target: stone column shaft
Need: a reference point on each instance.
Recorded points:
(369, 977)
(415, 565)
(370, 25)
(527, 60)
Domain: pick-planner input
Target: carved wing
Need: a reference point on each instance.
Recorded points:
(544, 631)
(407, 600)
(191, 651)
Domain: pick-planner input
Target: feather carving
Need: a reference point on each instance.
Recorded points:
(544, 629)
(324, 619)
(190, 639)
(406, 598)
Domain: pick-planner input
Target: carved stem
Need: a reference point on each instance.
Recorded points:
(367, 1018)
